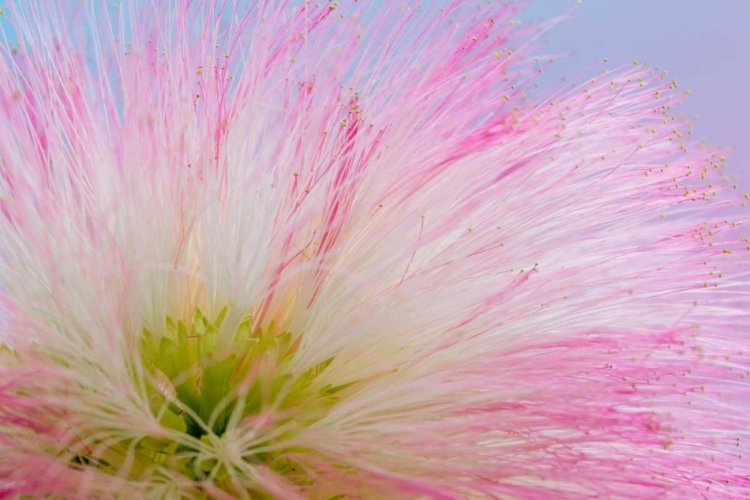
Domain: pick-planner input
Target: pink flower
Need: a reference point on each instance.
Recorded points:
(289, 250)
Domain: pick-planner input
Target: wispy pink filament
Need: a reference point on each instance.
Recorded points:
(534, 293)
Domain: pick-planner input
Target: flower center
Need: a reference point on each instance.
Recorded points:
(222, 406)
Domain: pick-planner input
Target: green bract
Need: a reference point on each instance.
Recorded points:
(198, 389)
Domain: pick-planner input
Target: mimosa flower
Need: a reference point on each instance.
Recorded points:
(290, 250)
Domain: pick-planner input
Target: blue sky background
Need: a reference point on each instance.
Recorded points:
(705, 44)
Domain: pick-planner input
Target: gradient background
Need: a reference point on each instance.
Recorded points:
(705, 44)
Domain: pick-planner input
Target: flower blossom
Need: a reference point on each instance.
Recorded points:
(302, 250)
